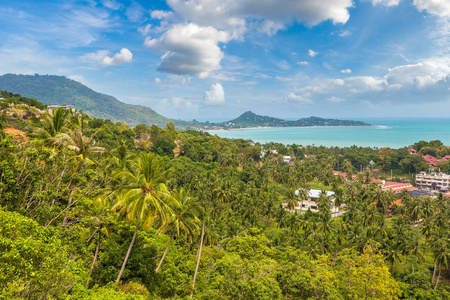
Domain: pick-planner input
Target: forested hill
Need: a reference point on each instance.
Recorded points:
(60, 90)
(250, 119)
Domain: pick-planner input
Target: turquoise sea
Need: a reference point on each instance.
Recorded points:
(386, 132)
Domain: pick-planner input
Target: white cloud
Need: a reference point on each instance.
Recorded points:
(436, 7)
(285, 79)
(429, 78)
(161, 14)
(215, 95)
(312, 53)
(157, 80)
(135, 12)
(172, 107)
(346, 71)
(145, 29)
(385, 2)
(345, 33)
(284, 65)
(335, 99)
(230, 13)
(124, 56)
(299, 99)
(94, 57)
(111, 4)
(270, 27)
(190, 49)
(302, 63)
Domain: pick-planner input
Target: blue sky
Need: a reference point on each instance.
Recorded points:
(209, 59)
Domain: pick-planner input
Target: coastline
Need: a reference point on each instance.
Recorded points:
(393, 133)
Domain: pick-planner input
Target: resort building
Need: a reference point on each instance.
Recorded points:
(311, 202)
(433, 181)
(397, 187)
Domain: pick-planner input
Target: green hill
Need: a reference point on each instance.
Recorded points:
(60, 90)
(250, 119)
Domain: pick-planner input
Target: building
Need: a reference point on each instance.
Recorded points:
(287, 158)
(433, 181)
(397, 187)
(311, 202)
(50, 108)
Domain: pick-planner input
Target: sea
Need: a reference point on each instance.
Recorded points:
(385, 132)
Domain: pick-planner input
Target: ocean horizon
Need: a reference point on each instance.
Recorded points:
(385, 132)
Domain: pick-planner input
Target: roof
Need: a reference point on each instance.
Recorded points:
(398, 186)
(316, 193)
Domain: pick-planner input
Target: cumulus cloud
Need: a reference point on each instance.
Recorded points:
(312, 53)
(385, 2)
(94, 57)
(302, 63)
(436, 7)
(407, 83)
(157, 80)
(299, 99)
(190, 49)
(102, 59)
(161, 14)
(346, 71)
(144, 30)
(231, 13)
(124, 56)
(215, 95)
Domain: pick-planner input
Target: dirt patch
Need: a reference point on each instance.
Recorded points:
(16, 133)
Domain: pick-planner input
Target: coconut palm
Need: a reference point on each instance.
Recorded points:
(53, 123)
(182, 217)
(141, 195)
(291, 200)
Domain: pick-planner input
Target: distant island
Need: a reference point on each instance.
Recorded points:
(250, 119)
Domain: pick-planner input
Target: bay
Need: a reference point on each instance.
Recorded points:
(386, 132)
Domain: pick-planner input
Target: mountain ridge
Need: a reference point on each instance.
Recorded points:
(60, 90)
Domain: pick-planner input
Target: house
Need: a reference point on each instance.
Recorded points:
(311, 202)
(274, 151)
(287, 158)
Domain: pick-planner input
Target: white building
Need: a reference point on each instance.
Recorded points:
(433, 181)
(311, 202)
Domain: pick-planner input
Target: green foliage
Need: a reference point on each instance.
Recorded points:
(34, 262)
(140, 266)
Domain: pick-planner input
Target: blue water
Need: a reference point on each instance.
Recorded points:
(387, 132)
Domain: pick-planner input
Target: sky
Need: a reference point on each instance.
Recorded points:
(215, 59)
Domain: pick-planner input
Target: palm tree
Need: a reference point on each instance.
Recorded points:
(141, 195)
(291, 200)
(198, 259)
(182, 217)
(441, 257)
(53, 124)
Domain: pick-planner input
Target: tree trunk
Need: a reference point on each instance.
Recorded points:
(437, 281)
(95, 259)
(165, 252)
(198, 260)
(69, 204)
(434, 274)
(128, 254)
